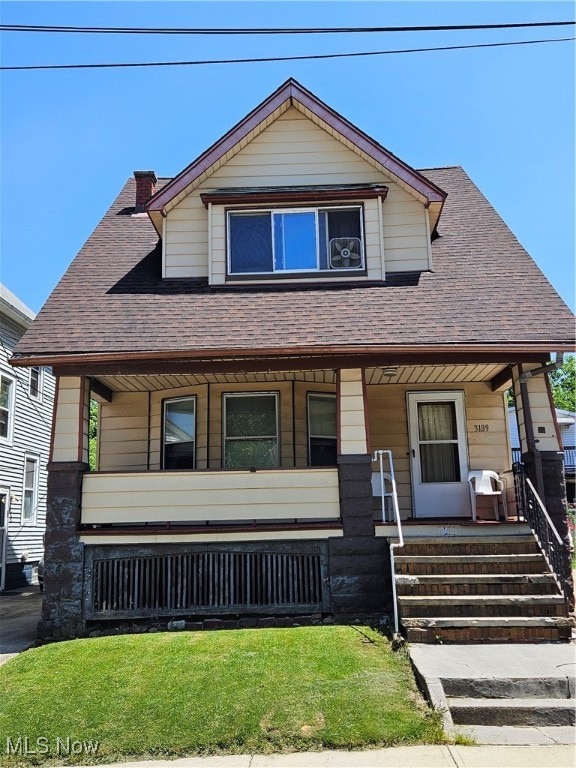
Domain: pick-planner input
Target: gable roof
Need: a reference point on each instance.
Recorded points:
(291, 93)
(485, 294)
(16, 310)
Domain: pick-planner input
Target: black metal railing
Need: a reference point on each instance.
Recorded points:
(531, 507)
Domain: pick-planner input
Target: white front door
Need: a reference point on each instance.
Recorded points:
(438, 454)
(4, 501)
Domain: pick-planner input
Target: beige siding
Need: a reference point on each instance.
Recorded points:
(541, 412)
(123, 438)
(220, 496)
(295, 151)
(353, 437)
(487, 449)
(67, 419)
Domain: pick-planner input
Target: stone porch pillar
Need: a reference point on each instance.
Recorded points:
(63, 552)
(359, 562)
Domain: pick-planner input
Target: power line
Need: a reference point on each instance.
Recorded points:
(269, 30)
(280, 58)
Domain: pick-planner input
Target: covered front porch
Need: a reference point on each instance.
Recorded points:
(250, 493)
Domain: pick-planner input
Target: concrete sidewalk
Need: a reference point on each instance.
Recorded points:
(427, 756)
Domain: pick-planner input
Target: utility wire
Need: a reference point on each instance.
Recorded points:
(279, 58)
(269, 30)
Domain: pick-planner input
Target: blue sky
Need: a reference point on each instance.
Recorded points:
(69, 139)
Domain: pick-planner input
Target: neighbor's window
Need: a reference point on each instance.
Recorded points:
(6, 408)
(35, 385)
(251, 430)
(322, 439)
(300, 240)
(30, 489)
(179, 439)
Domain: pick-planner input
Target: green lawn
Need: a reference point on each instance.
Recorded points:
(190, 693)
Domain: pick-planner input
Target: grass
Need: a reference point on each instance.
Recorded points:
(235, 691)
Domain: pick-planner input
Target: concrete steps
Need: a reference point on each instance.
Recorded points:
(491, 588)
(502, 712)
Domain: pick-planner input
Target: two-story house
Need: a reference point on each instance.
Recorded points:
(26, 404)
(255, 329)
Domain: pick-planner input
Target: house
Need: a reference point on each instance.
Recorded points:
(26, 403)
(255, 329)
(566, 421)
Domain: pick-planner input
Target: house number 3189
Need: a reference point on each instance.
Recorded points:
(481, 427)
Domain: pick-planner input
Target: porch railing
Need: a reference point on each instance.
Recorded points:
(379, 457)
(569, 456)
(531, 506)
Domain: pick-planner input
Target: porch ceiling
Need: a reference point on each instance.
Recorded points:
(423, 374)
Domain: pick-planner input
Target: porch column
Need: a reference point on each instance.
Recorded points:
(541, 445)
(359, 562)
(63, 552)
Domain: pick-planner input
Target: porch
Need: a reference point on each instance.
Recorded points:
(251, 494)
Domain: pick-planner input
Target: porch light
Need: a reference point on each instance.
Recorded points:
(389, 373)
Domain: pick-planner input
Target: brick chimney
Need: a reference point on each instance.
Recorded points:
(145, 188)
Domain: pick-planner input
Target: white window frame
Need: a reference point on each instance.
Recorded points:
(324, 396)
(7, 440)
(316, 210)
(166, 402)
(225, 397)
(37, 397)
(36, 460)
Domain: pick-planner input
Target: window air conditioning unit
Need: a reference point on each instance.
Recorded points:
(345, 253)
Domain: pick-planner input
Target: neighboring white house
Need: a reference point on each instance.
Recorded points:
(567, 425)
(26, 405)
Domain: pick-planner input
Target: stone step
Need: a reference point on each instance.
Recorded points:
(510, 687)
(476, 584)
(482, 606)
(468, 545)
(465, 564)
(501, 712)
(501, 629)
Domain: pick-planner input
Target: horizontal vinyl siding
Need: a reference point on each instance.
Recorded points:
(123, 438)
(219, 496)
(295, 151)
(31, 435)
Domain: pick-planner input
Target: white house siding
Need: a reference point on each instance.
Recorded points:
(31, 435)
(295, 151)
(388, 425)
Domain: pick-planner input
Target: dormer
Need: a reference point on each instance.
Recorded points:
(295, 192)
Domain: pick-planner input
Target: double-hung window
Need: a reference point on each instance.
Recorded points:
(251, 430)
(6, 408)
(179, 433)
(300, 240)
(30, 496)
(35, 383)
(322, 439)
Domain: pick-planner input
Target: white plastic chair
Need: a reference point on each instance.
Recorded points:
(388, 494)
(485, 482)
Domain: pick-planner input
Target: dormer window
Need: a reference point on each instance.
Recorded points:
(300, 240)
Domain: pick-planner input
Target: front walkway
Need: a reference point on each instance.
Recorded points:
(19, 615)
(502, 693)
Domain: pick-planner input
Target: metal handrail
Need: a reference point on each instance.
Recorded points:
(379, 456)
(536, 515)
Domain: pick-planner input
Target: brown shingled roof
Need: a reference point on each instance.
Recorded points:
(485, 289)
